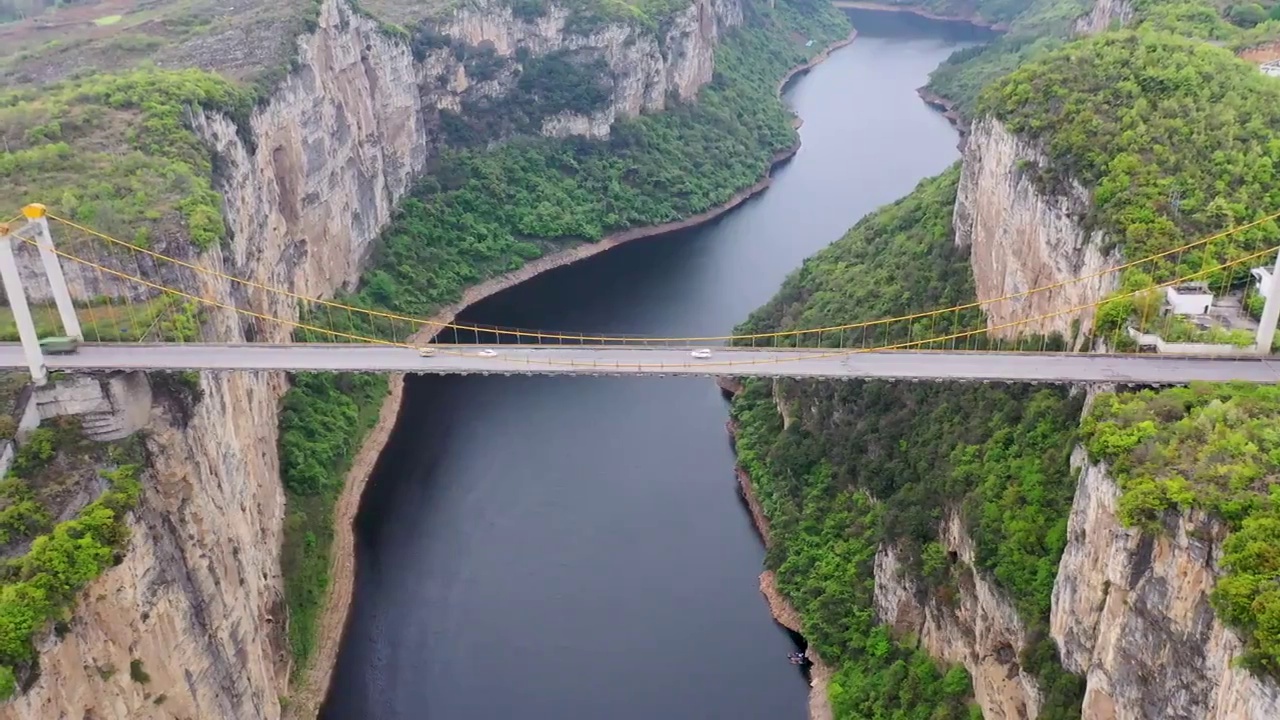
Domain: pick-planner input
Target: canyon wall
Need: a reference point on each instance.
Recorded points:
(1103, 16)
(197, 599)
(975, 626)
(1131, 612)
(1022, 237)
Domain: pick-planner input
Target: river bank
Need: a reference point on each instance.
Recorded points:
(948, 109)
(306, 701)
(779, 606)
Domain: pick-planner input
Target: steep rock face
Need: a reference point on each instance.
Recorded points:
(1022, 238)
(345, 134)
(1102, 15)
(644, 67)
(978, 627)
(1132, 613)
(198, 597)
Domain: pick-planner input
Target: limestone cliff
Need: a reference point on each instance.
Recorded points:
(976, 626)
(197, 598)
(1131, 612)
(1103, 15)
(645, 68)
(1022, 237)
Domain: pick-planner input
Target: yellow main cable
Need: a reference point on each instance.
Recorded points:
(731, 363)
(633, 339)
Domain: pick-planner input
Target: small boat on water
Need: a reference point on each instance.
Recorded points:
(797, 658)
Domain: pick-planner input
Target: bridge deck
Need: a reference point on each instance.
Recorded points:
(614, 360)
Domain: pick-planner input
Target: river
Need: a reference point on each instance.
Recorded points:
(574, 547)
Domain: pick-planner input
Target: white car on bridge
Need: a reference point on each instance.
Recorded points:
(700, 354)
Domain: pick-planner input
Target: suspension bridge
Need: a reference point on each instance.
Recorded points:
(123, 306)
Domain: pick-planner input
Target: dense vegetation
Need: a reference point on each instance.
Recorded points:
(323, 421)
(1034, 28)
(1214, 448)
(41, 586)
(870, 462)
(115, 152)
(167, 318)
(1041, 26)
(1177, 137)
(483, 213)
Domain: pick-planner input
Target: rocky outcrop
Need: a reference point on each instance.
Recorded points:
(112, 407)
(645, 69)
(1022, 238)
(1103, 15)
(345, 134)
(975, 626)
(195, 603)
(197, 599)
(1131, 612)
(788, 617)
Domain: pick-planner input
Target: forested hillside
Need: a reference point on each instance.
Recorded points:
(897, 457)
(1176, 139)
(1038, 27)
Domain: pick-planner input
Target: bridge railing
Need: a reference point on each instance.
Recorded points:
(103, 289)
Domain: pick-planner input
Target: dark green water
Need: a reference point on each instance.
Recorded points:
(574, 547)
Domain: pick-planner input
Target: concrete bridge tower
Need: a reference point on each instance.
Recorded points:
(35, 229)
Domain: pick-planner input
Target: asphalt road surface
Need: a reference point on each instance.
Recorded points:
(614, 360)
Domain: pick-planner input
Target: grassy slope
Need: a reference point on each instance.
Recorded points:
(241, 40)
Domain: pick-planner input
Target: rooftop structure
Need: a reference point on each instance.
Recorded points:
(1189, 299)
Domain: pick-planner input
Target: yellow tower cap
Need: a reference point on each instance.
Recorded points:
(34, 211)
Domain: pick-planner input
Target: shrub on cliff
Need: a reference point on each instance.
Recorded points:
(115, 151)
(42, 585)
(1176, 137)
(1214, 448)
(870, 463)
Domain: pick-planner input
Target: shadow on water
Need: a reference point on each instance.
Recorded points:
(905, 25)
(539, 547)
